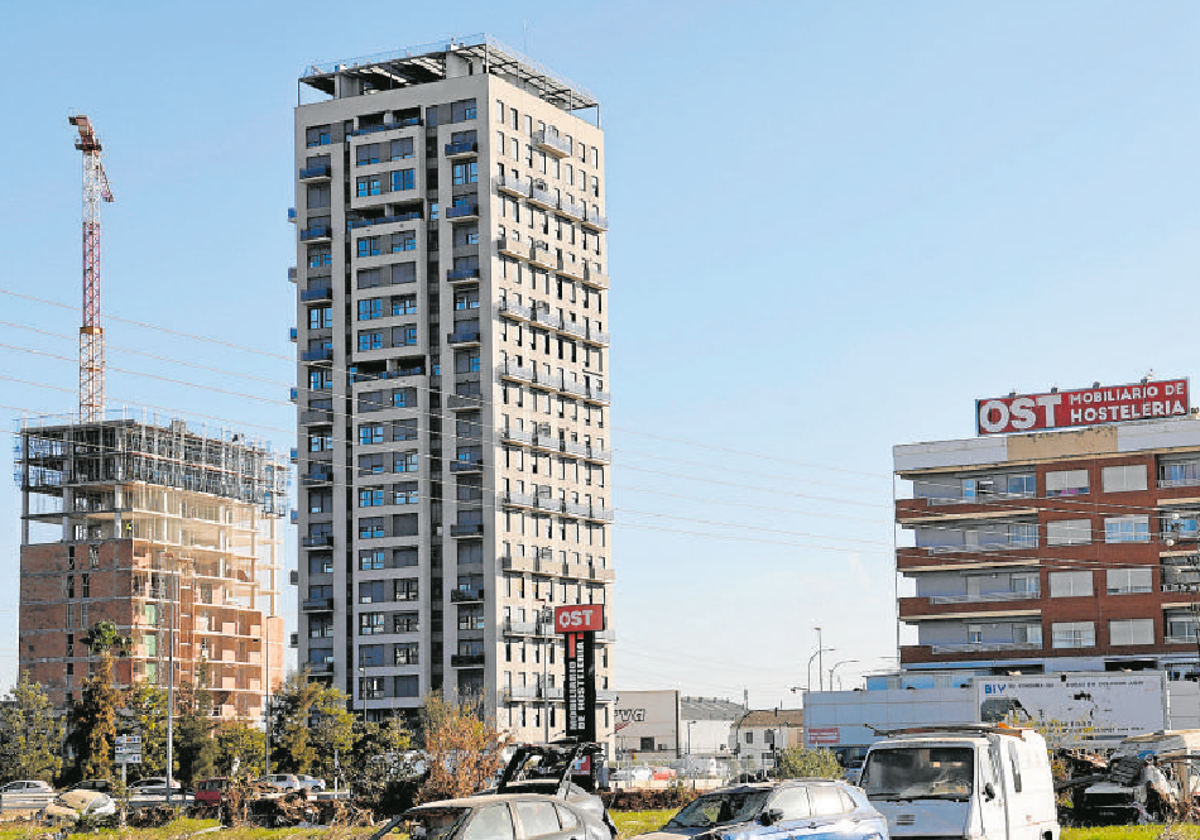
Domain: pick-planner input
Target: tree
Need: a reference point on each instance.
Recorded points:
(146, 704)
(311, 725)
(93, 720)
(463, 750)
(195, 749)
(801, 763)
(240, 741)
(30, 734)
(379, 756)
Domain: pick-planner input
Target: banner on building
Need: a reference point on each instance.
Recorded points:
(578, 626)
(1149, 400)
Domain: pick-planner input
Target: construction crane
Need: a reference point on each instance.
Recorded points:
(91, 334)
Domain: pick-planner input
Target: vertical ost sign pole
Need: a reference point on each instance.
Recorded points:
(578, 626)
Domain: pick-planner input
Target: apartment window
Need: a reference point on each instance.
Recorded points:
(320, 564)
(404, 558)
(404, 398)
(467, 299)
(1131, 631)
(371, 527)
(370, 340)
(1179, 474)
(1025, 583)
(404, 273)
(370, 656)
(470, 617)
(466, 172)
(1073, 634)
(320, 317)
(320, 380)
(405, 622)
(1067, 483)
(463, 109)
(317, 135)
(371, 592)
(320, 502)
(1069, 532)
(1128, 581)
(320, 627)
(367, 186)
(404, 305)
(402, 148)
(320, 443)
(369, 310)
(404, 429)
(1121, 479)
(367, 154)
(1070, 584)
(318, 195)
(369, 401)
(368, 246)
(1120, 529)
(404, 336)
(974, 634)
(371, 497)
(319, 255)
(371, 559)
(370, 464)
(404, 179)
(406, 589)
(370, 278)
(405, 493)
(405, 240)
(370, 624)
(500, 112)
(406, 654)
(1027, 634)
(406, 462)
(466, 361)
(408, 686)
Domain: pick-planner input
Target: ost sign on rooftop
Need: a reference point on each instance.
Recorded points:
(1085, 407)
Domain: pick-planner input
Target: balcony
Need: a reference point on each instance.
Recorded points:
(518, 499)
(541, 197)
(598, 396)
(550, 319)
(576, 509)
(460, 275)
(513, 186)
(551, 143)
(466, 466)
(293, 334)
(515, 310)
(316, 416)
(463, 594)
(293, 394)
(570, 268)
(595, 221)
(513, 248)
(319, 541)
(594, 277)
(466, 660)
(407, 122)
(316, 294)
(317, 605)
(541, 256)
(594, 453)
(292, 274)
(321, 171)
(574, 328)
(316, 233)
(548, 379)
(408, 216)
(316, 477)
(595, 335)
(471, 529)
(465, 337)
(574, 386)
(325, 354)
(459, 402)
(548, 503)
(295, 455)
(511, 370)
(521, 628)
(463, 148)
(546, 441)
(513, 563)
(511, 435)
(463, 211)
(600, 514)
(975, 647)
(985, 597)
(571, 209)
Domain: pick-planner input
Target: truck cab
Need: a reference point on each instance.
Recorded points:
(969, 782)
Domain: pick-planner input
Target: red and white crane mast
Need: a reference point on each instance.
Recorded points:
(91, 334)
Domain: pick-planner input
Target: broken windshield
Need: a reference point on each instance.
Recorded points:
(721, 809)
(919, 773)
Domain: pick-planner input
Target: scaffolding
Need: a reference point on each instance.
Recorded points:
(183, 529)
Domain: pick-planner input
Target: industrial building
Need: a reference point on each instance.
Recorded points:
(453, 390)
(1063, 538)
(172, 533)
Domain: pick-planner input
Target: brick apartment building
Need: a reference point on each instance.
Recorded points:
(173, 534)
(1063, 538)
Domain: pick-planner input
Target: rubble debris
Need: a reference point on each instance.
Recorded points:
(152, 816)
(638, 799)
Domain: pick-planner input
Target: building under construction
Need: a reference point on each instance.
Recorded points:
(171, 532)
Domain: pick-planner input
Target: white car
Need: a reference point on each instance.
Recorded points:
(311, 783)
(282, 781)
(154, 786)
(27, 786)
(79, 803)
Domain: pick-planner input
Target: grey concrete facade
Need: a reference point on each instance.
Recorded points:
(453, 398)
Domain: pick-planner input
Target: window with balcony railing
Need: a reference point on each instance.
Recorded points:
(1183, 473)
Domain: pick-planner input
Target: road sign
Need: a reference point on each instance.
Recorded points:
(127, 739)
(129, 758)
(122, 749)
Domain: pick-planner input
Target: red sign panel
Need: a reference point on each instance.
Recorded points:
(579, 619)
(823, 736)
(1084, 407)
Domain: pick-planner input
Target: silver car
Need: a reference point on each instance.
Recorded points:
(502, 816)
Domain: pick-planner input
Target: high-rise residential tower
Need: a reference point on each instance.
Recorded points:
(173, 533)
(453, 396)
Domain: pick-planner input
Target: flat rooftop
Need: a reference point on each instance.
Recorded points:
(445, 59)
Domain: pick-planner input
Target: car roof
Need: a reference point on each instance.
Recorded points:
(489, 799)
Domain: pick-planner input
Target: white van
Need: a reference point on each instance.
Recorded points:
(969, 782)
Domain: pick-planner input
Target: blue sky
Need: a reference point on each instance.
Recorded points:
(834, 225)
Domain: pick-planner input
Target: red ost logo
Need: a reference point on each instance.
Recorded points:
(579, 619)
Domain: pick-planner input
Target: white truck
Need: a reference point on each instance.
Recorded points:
(966, 782)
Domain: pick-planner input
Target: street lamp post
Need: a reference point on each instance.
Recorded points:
(837, 665)
(817, 653)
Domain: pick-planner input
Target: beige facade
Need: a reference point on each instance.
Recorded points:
(174, 535)
(453, 397)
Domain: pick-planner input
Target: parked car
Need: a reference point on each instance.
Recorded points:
(508, 815)
(27, 786)
(154, 786)
(281, 781)
(807, 808)
(208, 791)
(311, 783)
(632, 774)
(100, 785)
